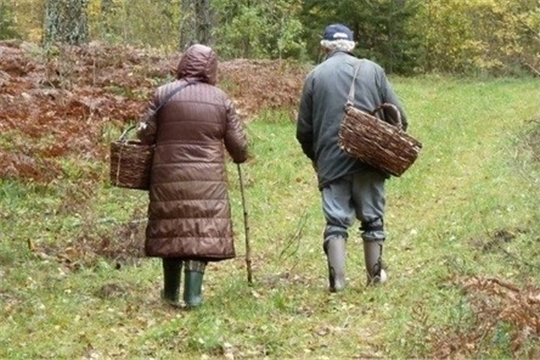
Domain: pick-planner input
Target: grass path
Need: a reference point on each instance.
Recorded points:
(469, 181)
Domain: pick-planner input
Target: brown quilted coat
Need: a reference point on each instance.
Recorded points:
(189, 212)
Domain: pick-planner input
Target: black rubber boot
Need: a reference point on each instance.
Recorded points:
(194, 273)
(172, 268)
(374, 264)
(335, 249)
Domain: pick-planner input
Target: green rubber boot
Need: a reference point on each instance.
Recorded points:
(172, 268)
(193, 280)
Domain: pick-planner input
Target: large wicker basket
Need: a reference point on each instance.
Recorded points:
(378, 143)
(130, 163)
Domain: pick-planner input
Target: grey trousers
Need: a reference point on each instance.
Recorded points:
(359, 196)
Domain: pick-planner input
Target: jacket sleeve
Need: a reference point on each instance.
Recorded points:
(147, 128)
(389, 96)
(235, 136)
(304, 124)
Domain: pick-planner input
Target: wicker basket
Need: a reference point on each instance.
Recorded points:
(380, 144)
(130, 163)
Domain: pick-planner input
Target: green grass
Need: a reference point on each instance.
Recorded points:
(474, 176)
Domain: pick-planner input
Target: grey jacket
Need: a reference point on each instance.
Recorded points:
(321, 110)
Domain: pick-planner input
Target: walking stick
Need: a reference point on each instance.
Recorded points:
(246, 227)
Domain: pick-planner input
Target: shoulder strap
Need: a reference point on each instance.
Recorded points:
(350, 98)
(172, 93)
(167, 98)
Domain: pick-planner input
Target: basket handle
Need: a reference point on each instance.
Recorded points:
(125, 133)
(393, 120)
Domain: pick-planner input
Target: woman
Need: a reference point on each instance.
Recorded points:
(192, 123)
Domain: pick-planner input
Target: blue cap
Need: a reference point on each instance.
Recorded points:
(337, 32)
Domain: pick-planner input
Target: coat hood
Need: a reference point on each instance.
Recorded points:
(198, 62)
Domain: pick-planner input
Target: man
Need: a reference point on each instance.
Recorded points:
(192, 123)
(349, 188)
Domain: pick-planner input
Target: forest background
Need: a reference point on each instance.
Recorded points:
(463, 244)
(404, 36)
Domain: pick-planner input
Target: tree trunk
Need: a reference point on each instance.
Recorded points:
(203, 18)
(106, 6)
(196, 24)
(65, 22)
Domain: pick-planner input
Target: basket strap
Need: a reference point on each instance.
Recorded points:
(350, 98)
(172, 93)
(123, 137)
